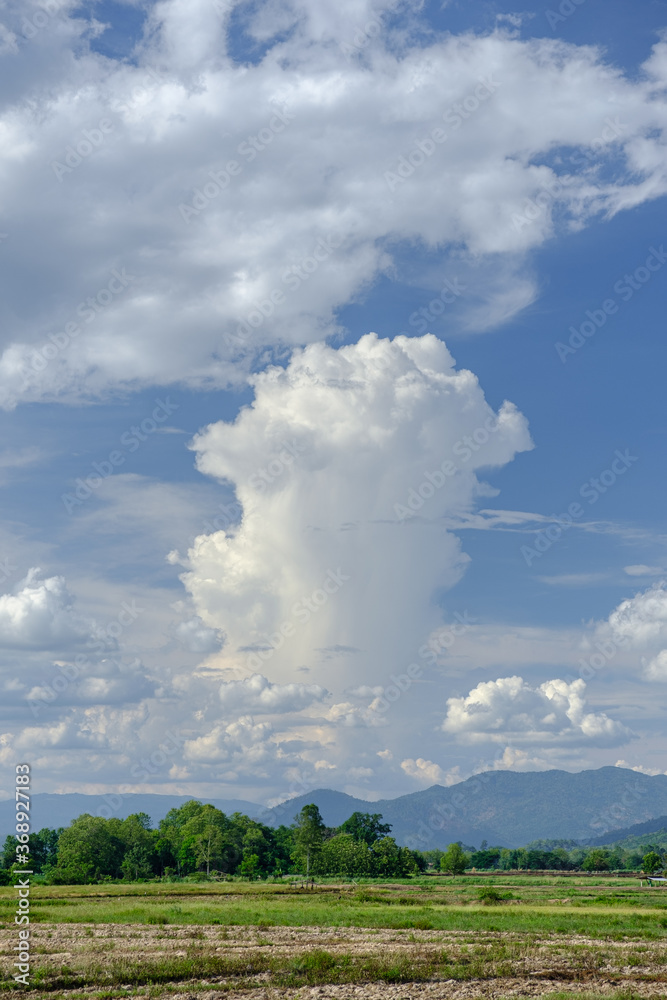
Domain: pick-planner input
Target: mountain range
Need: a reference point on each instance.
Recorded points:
(505, 808)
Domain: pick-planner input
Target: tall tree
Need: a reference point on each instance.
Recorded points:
(208, 846)
(366, 827)
(454, 860)
(308, 834)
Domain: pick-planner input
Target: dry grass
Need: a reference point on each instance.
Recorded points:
(462, 939)
(114, 960)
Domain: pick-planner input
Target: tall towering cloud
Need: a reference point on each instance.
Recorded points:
(344, 465)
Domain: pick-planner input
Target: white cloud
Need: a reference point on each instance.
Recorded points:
(346, 714)
(40, 615)
(573, 579)
(318, 173)
(197, 637)
(510, 710)
(640, 623)
(640, 768)
(64, 735)
(515, 759)
(360, 773)
(425, 771)
(258, 694)
(321, 558)
(642, 570)
(241, 744)
(641, 619)
(656, 668)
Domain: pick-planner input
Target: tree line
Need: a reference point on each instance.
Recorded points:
(197, 840)
(456, 859)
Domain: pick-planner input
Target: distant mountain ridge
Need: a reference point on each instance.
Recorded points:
(658, 825)
(505, 808)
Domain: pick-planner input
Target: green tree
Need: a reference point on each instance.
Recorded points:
(454, 860)
(44, 848)
(392, 860)
(308, 835)
(137, 863)
(366, 827)
(250, 865)
(343, 855)
(485, 858)
(8, 856)
(208, 846)
(651, 863)
(596, 860)
(87, 852)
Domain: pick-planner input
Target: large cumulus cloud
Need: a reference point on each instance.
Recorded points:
(157, 293)
(321, 568)
(512, 710)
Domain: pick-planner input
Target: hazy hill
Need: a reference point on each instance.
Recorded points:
(59, 810)
(637, 836)
(506, 808)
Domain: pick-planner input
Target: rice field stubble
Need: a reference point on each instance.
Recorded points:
(464, 937)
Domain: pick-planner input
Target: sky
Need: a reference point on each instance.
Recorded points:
(331, 393)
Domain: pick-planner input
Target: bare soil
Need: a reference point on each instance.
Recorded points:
(514, 964)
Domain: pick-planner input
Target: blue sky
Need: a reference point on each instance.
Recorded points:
(232, 372)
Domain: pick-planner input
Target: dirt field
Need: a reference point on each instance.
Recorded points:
(77, 960)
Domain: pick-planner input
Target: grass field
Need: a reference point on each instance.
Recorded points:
(460, 937)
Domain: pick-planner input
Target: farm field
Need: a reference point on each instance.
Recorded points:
(468, 936)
